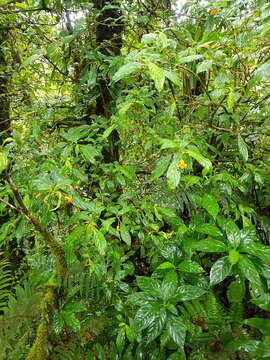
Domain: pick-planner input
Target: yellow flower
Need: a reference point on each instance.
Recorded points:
(213, 12)
(37, 196)
(182, 164)
(206, 46)
(117, 228)
(68, 199)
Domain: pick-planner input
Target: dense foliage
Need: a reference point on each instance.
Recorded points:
(134, 191)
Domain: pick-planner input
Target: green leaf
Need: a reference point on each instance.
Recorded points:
(30, 60)
(189, 292)
(204, 66)
(126, 70)
(139, 298)
(125, 235)
(206, 163)
(173, 173)
(99, 241)
(209, 245)
(3, 162)
(262, 324)
(58, 324)
(259, 250)
(188, 59)
(190, 266)
(242, 148)
(74, 306)
(161, 167)
(233, 234)
(151, 317)
(210, 204)
(234, 257)
(249, 271)
(166, 265)
(73, 239)
(235, 292)
(173, 76)
(176, 329)
(149, 285)
(71, 320)
(169, 285)
(89, 152)
(209, 229)
(220, 270)
(157, 75)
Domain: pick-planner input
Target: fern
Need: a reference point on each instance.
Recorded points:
(5, 283)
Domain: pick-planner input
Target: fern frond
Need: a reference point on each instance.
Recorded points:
(5, 283)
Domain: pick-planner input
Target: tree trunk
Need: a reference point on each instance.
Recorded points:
(4, 96)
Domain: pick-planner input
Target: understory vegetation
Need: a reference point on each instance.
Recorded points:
(134, 189)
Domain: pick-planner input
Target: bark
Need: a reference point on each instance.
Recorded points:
(109, 42)
(4, 96)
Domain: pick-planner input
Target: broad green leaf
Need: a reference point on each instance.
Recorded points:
(71, 320)
(168, 144)
(3, 161)
(169, 285)
(209, 229)
(126, 70)
(249, 271)
(177, 329)
(209, 245)
(220, 270)
(161, 167)
(157, 75)
(75, 306)
(173, 76)
(242, 148)
(30, 60)
(236, 291)
(89, 152)
(125, 235)
(210, 204)
(139, 298)
(190, 266)
(99, 241)
(189, 292)
(259, 250)
(234, 256)
(259, 323)
(206, 163)
(166, 265)
(149, 285)
(187, 59)
(73, 239)
(58, 324)
(233, 234)
(170, 217)
(151, 317)
(173, 173)
(204, 66)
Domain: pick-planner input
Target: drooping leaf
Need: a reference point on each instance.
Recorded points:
(259, 323)
(125, 234)
(157, 75)
(206, 163)
(209, 229)
(161, 167)
(242, 148)
(99, 241)
(210, 204)
(126, 70)
(209, 245)
(173, 173)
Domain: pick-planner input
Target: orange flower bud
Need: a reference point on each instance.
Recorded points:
(206, 46)
(182, 164)
(213, 12)
(117, 228)
(68, 199)
(37, 196)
